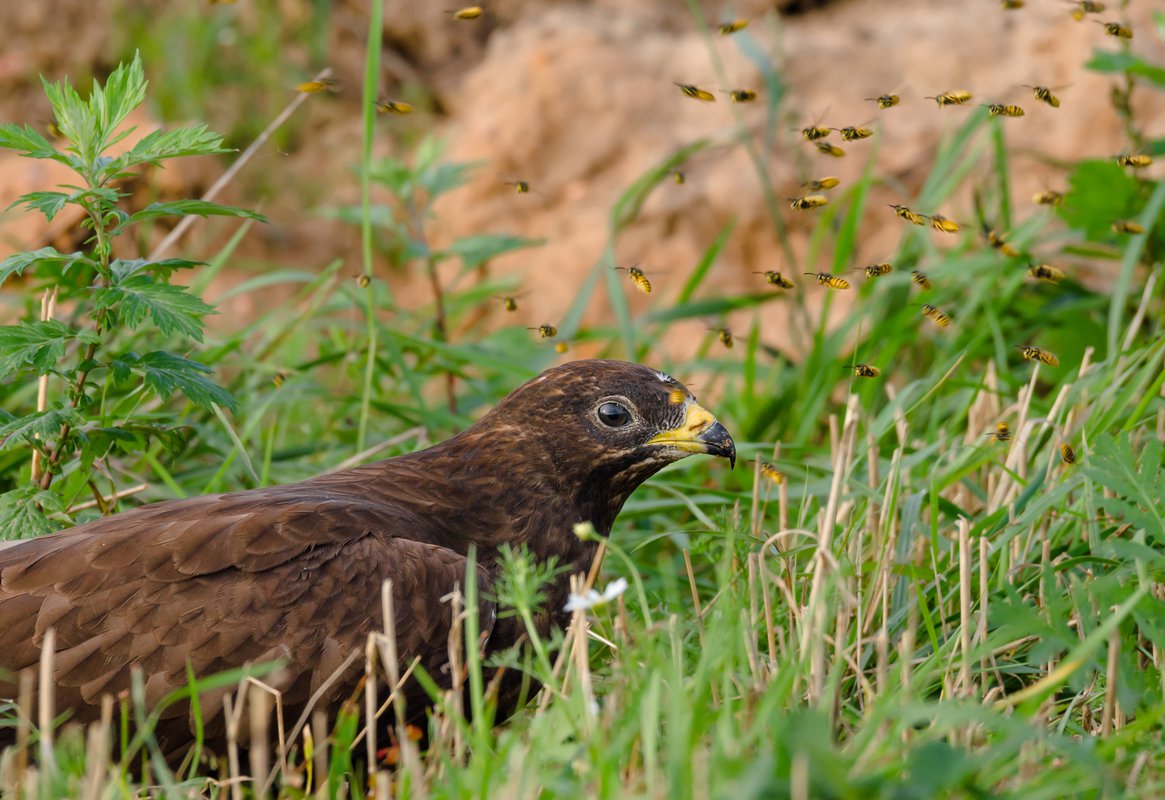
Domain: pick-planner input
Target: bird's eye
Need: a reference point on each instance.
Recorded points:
(614, 415)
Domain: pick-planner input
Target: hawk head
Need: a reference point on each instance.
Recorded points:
(597, 429)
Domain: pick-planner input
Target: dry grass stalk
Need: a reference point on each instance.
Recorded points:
(180, 229)
(813, 635)
(965, 625)
(258, 745)
(1108, 716)
(47, 700)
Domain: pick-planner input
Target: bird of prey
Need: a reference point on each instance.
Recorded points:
(294, 572)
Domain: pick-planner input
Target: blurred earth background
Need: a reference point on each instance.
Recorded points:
(577, 98)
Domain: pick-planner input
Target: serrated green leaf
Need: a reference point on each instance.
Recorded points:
(17, 263)
(28, 143)
(122, 268)
(25, 512)
(160, 145)
(172, 308)
(186, 208)
(476, 250)
(166, 373)
(38, 345)
(39, 427)
(1139, 486)
(446, 176)
(47, 203)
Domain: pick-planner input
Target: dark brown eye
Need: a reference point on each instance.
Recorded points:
(614, 415)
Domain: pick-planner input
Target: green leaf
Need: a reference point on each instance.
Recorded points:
(185, 208)
(17, 263)
(47, 203)
(1110, 61)
(38, 427)
(39, 345)
(160, 145)
(1098, 193)
(25, 512)
(1139, 486)
(125, 268)
(28, 143)
(476, 250)
(709, 307)
(166, 373)
(172, 308)
(124, 90)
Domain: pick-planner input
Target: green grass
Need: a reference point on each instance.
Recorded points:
(916, 611)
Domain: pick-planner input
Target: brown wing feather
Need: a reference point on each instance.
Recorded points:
(222, 581)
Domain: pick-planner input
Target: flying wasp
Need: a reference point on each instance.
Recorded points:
(829, 280)
(1001, 110)
(939, 318)
(1044, 272)
(1127, 226)
(772, 473)
(877, 270)
(741, 95)
(941, 223)
(886, 100)
(829, 149)
(727, 28)
(953, 98)
(815, 132)
(910, 216)
(696, 93)
(1002, 432)
(1116, 29)
(1044, 95)
(521, 187)
(854, 133)
(1134, 160)
(678, 176)
(919, 279)
(864, 370)
(510, 301)
(725, 337)
(677, 396)
(1036, 354)
(560, 347)
(1085, 7)
(1048, 198)
(808, 201)
(467, 13)
(393, 107)
(638, 278)
(821, 183)
(999, 242)
(317, 86)
(1067, 454)
(776, 279)
(1011, 5)
(545, 331)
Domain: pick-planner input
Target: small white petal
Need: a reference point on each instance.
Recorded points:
(588, 600)
(614, 589)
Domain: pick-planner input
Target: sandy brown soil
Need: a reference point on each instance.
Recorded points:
(577, 99)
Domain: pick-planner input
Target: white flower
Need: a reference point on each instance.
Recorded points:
(592, 598)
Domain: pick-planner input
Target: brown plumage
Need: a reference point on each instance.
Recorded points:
(294, 572)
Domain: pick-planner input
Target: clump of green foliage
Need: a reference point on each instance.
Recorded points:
(97, 391)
